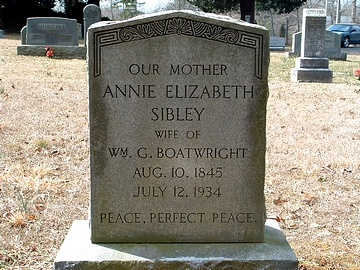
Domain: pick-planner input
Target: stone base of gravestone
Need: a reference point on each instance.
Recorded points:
(59, 51)
(309, 69)
(77, 252)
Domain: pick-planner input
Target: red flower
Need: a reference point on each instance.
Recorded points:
(357, 72)
(49, 51)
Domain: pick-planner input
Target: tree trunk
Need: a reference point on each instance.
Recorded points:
(354, 11)
(338, 15)
(272, 23)
(247, 8)
(287, 30)
(298, 20)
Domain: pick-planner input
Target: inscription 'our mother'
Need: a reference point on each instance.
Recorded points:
(186, 69)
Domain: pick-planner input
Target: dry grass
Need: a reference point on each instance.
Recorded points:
(44, 152)
(313, 166)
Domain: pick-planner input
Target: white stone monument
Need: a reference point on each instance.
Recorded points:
(311, 66)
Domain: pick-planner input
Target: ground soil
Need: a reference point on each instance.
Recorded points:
(312, 176)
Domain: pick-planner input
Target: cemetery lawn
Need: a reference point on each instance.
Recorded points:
(313, 159)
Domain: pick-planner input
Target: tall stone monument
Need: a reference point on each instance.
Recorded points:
(311, 66)
(177, 106)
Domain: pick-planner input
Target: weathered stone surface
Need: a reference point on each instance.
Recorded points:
(23, 35)
(306, 62)
(332, 48)
(177, 129)
(51, 31)
(92, 14)
(313, 33)
(77, 252)
(312, 75)
(277, 43)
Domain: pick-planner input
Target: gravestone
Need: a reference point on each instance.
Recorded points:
(59, 33)
(277, 43)
(296, 43)
(92, 14)
(332, 48)
(23, 35)
(332, 42)
(177, 136)
(311, 66)
(177, 147)
(79, 31)
(51, 31)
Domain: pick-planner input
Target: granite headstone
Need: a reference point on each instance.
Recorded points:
(312, 66)
(51, 31)
(177, 148)
(313, 33)
(332, 46)
(92, 14)
(277, 43)
(177, 129)
(23, 35)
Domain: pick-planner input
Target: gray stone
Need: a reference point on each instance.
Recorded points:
(1, 33)
(77, 252)
(51, 31)
(312, 66)
(336, 56)
(23, 35)
(323, 75)
(332, 42)
(79, 31)
(332, 46)
(313, 33)
(296, 44)
(92, 14)
(277, 43)
(307, 62)
(177, 129)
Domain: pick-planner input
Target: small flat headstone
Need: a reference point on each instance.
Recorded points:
(277, 43)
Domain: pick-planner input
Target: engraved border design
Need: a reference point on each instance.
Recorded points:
(179, 26)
